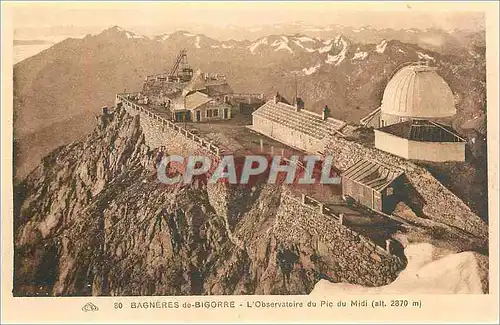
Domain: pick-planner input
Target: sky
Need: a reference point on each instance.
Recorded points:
(136, 15)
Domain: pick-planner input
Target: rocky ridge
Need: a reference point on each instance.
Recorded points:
(92, 219)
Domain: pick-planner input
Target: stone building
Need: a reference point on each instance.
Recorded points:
(204, 98)
(199, 107)
(413, 119)
(373, 184)
(295, 126)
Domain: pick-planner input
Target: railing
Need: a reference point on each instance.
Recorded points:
(251, 95)
(200, 141)
(324, 210)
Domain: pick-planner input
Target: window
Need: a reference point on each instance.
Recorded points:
(390, 191)
(402, 119)
(216, 112)
(209, 113)
(382, 123)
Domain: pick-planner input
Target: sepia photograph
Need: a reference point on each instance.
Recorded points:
(275, 149)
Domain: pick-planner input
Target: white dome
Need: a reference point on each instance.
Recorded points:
(418, 91)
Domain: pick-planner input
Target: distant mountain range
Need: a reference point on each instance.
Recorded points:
(31, 42)
(66, 85)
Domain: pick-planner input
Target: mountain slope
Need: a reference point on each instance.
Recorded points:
(78, 76)
(92, 219)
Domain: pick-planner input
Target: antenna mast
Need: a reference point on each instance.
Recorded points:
(296, 94)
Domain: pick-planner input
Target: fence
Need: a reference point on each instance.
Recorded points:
(200, 141)
(320, 207)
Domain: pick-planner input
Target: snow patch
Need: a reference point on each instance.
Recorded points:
(430, 270)
(165, 37)
(337, 59)
(311, 70)
(302, 46)
(424, 56)
(360, 55)
(283, 46)
(189, 35)
(197, 42)
(325, 49)
(254, 46)
(381, 46)
(215, 46)
(328, 41)
(132, 35)
(276, 42)
(400, 50)
(305, 39)
(224, 46)
(298, 43)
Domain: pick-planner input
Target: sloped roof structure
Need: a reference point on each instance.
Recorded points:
(196, 100)
(423, 130)
(302, 120)
(372, 174)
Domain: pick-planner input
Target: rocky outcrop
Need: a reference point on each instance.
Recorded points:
(92, 219)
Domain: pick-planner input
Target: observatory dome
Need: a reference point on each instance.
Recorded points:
(418, 91)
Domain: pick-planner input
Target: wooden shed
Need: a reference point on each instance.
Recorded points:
(373, 184)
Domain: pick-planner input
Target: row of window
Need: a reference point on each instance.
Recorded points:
(212, 112)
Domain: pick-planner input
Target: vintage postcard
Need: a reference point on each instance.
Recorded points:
(227, 162)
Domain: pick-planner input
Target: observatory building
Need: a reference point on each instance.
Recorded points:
(413, 120)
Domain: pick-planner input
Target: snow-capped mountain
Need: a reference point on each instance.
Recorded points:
(69, 82)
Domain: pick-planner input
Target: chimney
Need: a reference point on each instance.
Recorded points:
(299, 104)
(105, 110)
(277, 98)
(326, 113)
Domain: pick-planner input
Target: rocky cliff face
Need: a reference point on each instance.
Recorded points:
(92, 219)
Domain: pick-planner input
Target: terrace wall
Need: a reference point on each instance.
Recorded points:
(159, 131)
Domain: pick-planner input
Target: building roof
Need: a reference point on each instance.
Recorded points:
(196, 100)
(304, 121)
(423, 130)
(418, 91)
(372, 174)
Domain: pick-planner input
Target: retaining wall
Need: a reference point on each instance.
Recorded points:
(159, 131)
(356, 258)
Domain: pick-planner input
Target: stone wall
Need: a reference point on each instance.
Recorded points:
(356, 259)
(284, 134)
(440, 204)
(161, 132)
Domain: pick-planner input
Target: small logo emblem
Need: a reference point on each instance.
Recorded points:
(89, 307)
